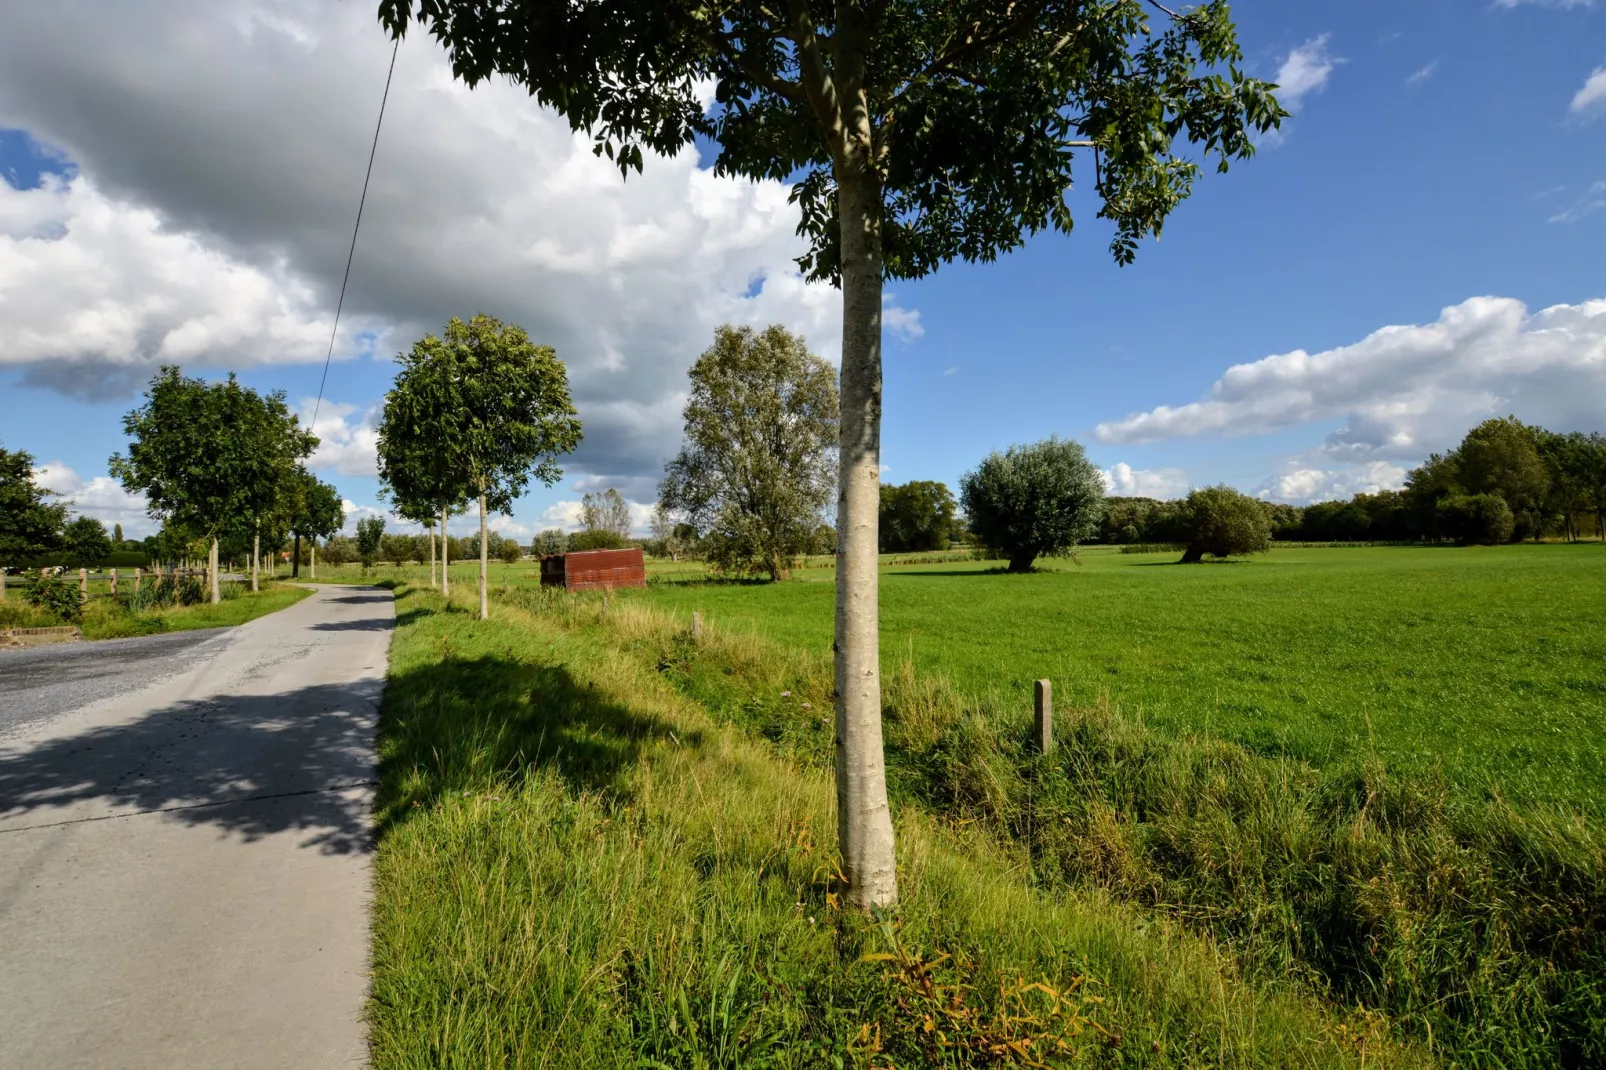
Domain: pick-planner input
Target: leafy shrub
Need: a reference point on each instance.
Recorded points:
(1222, 522)
(596, 539)
(1477, 519)
(54, 594)
(1033, 501)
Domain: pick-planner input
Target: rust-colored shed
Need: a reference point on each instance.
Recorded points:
(594, 570)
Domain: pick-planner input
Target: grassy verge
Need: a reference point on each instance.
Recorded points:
(105, 618)
(1476, 927)
(579, 866)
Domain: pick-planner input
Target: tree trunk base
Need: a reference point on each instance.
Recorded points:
(1192, 556)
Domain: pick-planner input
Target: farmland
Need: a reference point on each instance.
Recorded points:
(1483, 665)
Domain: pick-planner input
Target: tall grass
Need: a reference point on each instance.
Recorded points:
(1475, 926)
(579, 866)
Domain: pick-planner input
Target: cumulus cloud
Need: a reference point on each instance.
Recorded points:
(1299, 485)
(1305, 71)
(101, 497)
(221, 149)
(1591, 99)
(1405, 390)
(1123, 480)
(346, 445)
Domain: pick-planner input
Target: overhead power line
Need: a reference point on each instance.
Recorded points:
(352, 252)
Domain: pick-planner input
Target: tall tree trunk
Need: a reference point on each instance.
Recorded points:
(429, 533)
(446, 543)
(313, 557)
(295, 564)
(211, 571)
(864, 821)
(485, 609)
(256, 557)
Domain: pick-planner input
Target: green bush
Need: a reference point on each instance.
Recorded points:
(596, 539)
(55, 595)
(1033, 501)
(1477, 519)
(1222, 522)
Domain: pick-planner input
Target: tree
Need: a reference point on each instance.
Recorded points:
(918, 133)
(1033, 501)
(187, 458)
(491, 408)
(917, 516)
(272, 445)
(1567, 466)
(1476, 519)
(30, 524)
(510, 552)
(757, 465)
(117, 536)
(549, 542)
(87, 541)
(595, 539)
(396, 549)
(370, 540)
(1222, 522)
(605, 511)
(662, 524)
(1502, 457)
(317, 512)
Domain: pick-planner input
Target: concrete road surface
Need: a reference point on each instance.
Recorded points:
(184, 862)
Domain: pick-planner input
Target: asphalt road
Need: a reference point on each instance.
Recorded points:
(185, 830)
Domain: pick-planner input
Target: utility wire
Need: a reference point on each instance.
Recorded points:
(352, 252)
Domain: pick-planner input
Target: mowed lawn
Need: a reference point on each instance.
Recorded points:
(1485, 664)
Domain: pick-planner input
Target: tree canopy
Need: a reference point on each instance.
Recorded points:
(30, 523)
(87, 541)
(919, 515)
(605, 511)
(1223, 522)
(757, 464)
(1033, 501)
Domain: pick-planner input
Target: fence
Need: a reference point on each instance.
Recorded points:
(109, 584)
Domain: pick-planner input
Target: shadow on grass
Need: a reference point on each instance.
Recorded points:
(489, 722)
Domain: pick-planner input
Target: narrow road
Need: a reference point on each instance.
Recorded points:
(184, 843)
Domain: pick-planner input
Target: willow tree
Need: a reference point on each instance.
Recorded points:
(913, 133)
(476, 413)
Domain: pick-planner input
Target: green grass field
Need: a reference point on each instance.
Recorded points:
(104, 618)
(1485, 665)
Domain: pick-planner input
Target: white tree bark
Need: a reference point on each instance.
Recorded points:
(256, 558)
(864, 821)
(211, 571)
(485, 608)
(429, 533)
(314, 558)
(446, 542)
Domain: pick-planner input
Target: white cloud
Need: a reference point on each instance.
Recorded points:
(1422, 75)
(1305, 71)
(1123, 480)
(1405, 390)
(1543, 3)
(1591, 99)
(565, 516)
(952, 369)
(1299, 485)
(101, 497)
(350, 447)
(1592, 201)
(222, 149)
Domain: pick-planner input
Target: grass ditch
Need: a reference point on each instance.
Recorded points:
(580, 866)
(1476, 927)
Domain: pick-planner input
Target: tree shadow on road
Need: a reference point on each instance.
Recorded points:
(249, 765)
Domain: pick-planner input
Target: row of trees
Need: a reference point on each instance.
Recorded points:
(219, 460)
(473, 415)
(1505, 481)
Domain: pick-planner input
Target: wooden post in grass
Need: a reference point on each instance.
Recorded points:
(111, 579)
(83, 585)
(136, 579)
(696, 625)
(1043, 716)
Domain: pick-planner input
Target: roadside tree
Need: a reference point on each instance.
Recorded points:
(273, 445)
(1033, 501)
(916, 516)
(370, 540)
(30, 523)
(758, 464)
(1222, 522)
(919, 133)
(317, 512)
(186, 456)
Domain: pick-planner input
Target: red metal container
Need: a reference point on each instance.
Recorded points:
(595, 570)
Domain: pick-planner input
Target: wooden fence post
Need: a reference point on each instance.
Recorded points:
(1043, 719)
(111, 578)
(83, 584)
(2, 583)
(136, 579)
(696, 625)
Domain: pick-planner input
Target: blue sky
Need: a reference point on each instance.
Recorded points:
(192, 204)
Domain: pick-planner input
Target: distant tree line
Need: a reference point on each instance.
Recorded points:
(1505, 482)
